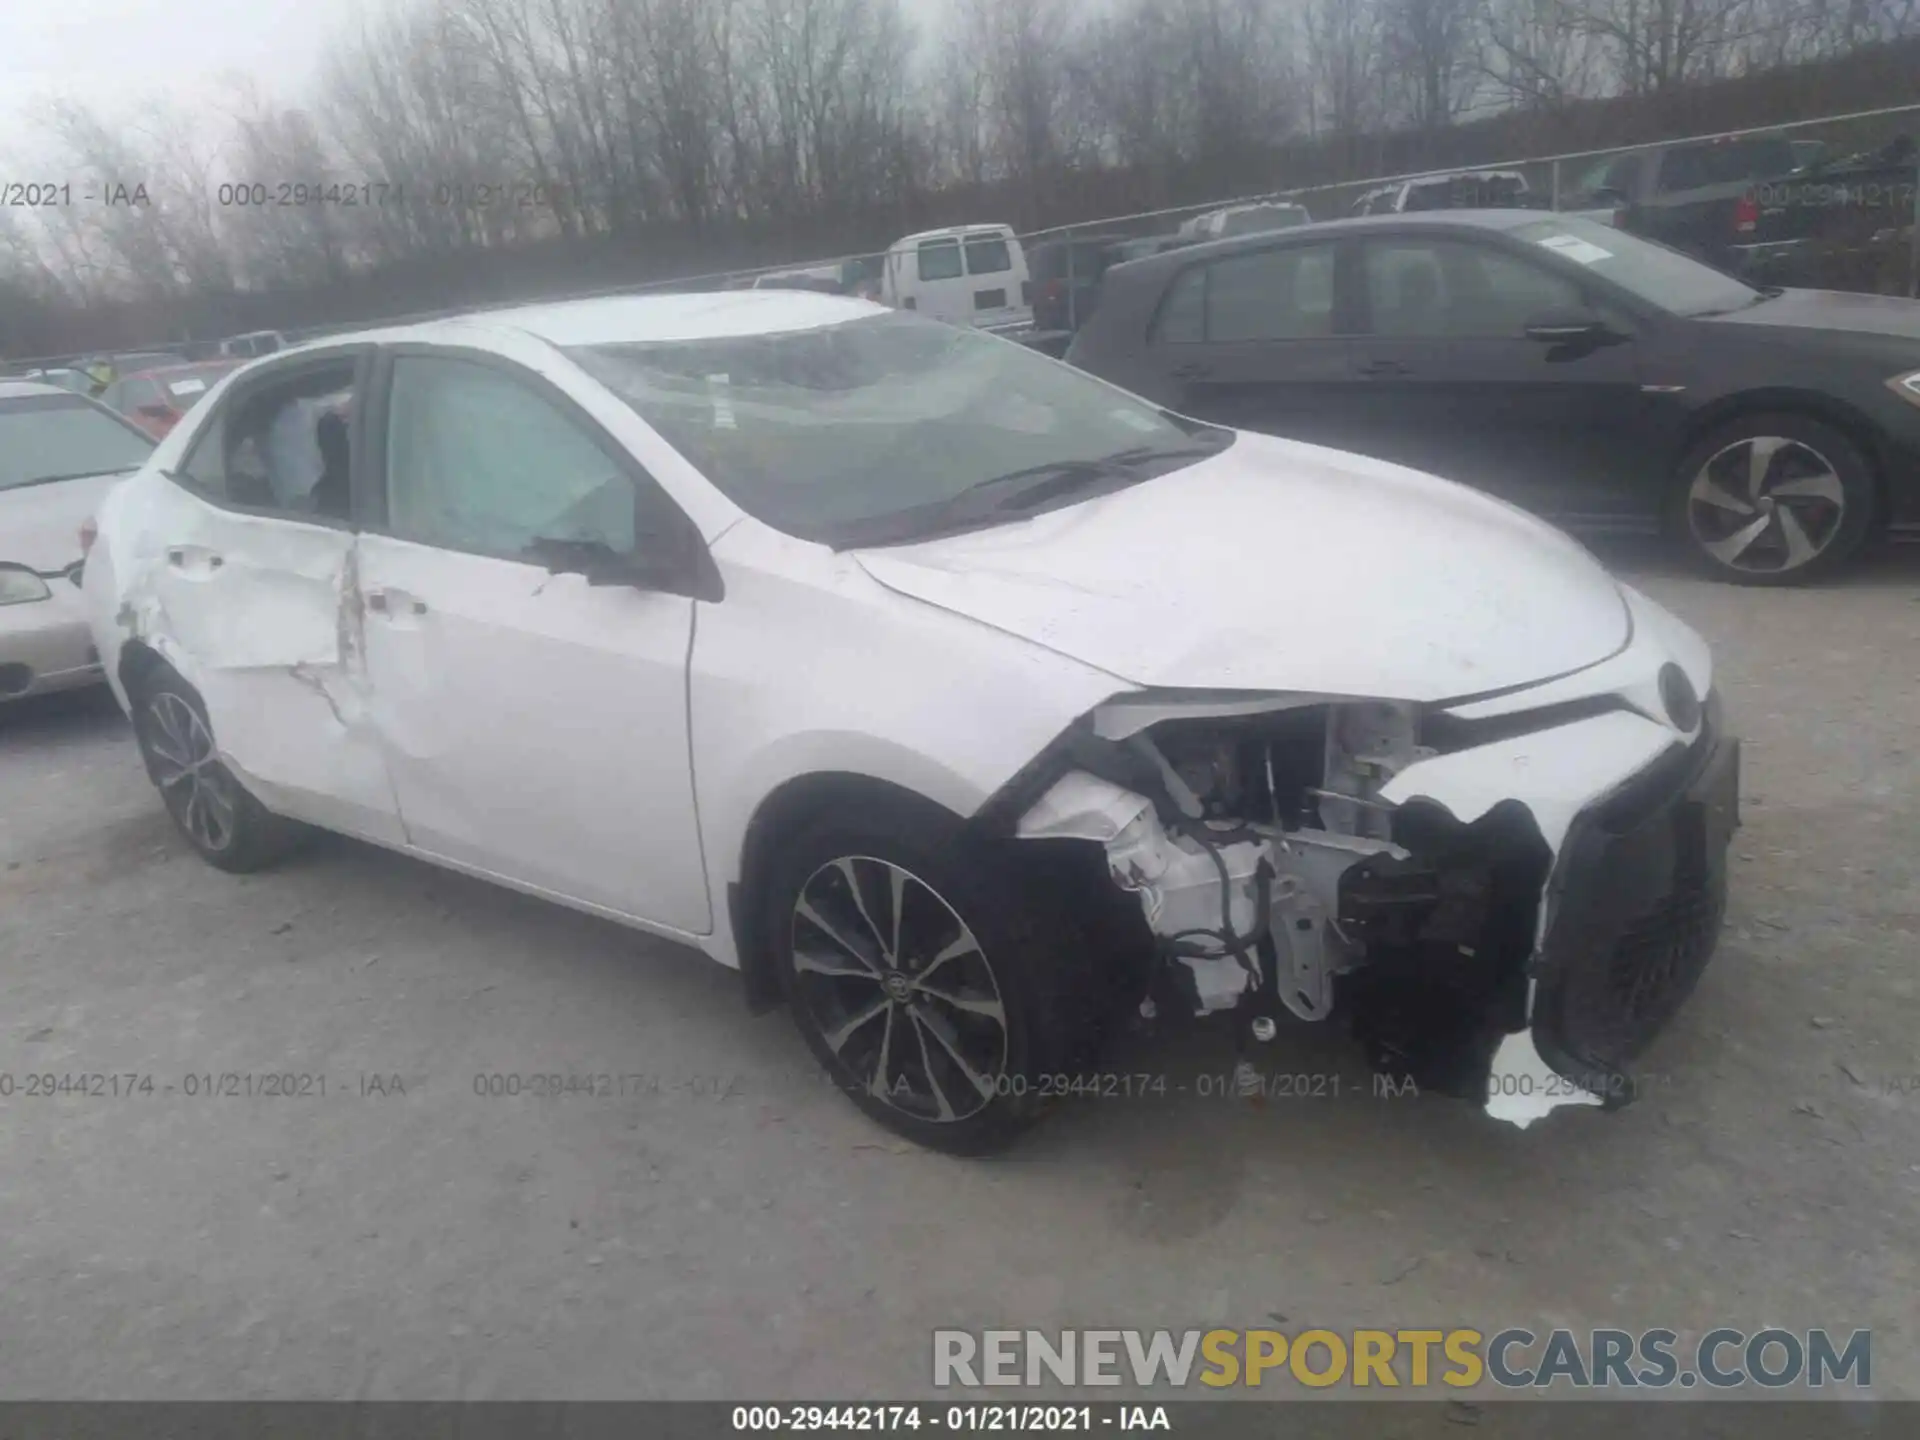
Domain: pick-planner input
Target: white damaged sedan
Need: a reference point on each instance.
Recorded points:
(961, 701)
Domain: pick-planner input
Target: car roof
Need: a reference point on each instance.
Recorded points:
(26, 389)
(1463, 219)
(621, 320)
(949, 232)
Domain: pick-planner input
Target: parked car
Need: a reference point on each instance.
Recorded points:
(59, 454)
(1743, 202)
(76, 381)
(960, 700)
(155, 400)
(1466, 190)
(968, 275)
(1066, 278)
(1142, 246)
(1254, 219)
(1585, 373)
(253, 343)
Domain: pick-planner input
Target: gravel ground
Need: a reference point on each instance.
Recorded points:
(734, 1229)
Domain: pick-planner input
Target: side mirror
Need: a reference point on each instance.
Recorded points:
(1568, 327)
(157, 412)
(669, 569)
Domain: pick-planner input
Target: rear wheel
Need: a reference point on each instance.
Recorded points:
(226, 825)
(941, 998)
(1774, 500)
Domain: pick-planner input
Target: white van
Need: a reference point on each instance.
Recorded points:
(967, 275)
(253, 343)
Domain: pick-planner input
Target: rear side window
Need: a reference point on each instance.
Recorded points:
(988, 257)
(1183, 313)
(940, 260)
(281, 446)
(1271, 295)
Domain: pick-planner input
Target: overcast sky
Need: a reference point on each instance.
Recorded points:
(113, 54)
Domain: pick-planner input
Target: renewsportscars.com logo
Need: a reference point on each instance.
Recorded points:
(1514, 1358)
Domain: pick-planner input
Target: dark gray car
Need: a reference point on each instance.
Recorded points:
(1593, 376)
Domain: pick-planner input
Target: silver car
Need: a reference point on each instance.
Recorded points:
(59, 455)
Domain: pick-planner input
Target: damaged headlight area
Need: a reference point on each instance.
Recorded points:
(1323, 858)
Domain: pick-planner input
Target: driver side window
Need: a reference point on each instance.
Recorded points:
(479, 461)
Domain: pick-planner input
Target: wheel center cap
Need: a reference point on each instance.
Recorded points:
(1766, 504)
(898, 988)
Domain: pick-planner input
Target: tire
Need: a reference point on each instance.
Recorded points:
(1773, 499)
(992, 997)
(224, 823)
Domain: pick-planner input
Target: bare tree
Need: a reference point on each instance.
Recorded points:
(1432, 47)
(1535, 53)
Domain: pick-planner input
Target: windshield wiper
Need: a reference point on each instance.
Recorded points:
(1016, 491)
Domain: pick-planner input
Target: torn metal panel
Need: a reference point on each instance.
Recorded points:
(262, 617)
(1555, 773)
(1438, 871)
(1523, 1088)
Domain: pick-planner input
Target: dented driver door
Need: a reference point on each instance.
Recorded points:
(535, 724)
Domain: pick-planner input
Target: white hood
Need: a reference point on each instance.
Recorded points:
(40, 524)
(1281, 566)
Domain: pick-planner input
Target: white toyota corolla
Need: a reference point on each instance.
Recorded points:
(960, 700)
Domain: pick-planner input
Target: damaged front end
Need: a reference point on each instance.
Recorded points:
(1509, 909)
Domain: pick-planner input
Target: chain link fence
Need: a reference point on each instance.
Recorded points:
(1866, 238)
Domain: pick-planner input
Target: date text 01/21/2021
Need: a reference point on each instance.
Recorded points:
(374, 194)
(954, 1419)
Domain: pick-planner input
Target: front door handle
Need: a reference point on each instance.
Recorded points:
(1375, 369)
(1193, 370)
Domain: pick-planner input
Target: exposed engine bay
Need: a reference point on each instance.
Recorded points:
(1281, 871)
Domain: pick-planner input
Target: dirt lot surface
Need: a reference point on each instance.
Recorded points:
(731, 1228)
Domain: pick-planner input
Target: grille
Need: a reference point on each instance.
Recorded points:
(1640, 914)
(1662, 951)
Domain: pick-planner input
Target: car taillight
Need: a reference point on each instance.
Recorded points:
(1746, 215)
(89, 532)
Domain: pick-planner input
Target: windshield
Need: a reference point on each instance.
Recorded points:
(1666, 278)
(823, 432)
(45, 437)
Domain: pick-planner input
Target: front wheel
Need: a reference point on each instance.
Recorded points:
(937, 994)
(1773, 500)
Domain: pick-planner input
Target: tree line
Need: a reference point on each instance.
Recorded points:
(618, 136)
